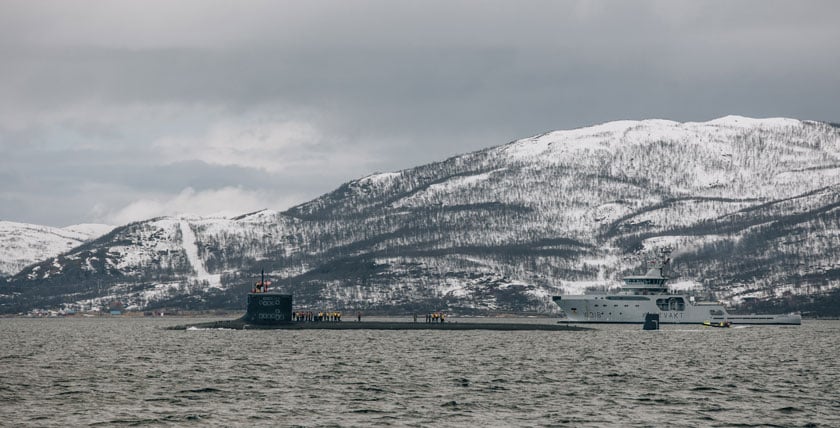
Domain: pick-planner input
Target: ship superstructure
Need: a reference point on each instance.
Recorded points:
(649, 293)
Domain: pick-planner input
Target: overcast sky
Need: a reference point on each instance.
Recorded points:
(116, 111)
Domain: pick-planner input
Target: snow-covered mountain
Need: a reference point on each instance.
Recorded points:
(748, 206)
(23, 244)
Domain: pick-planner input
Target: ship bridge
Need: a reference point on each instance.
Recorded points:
(652, 282)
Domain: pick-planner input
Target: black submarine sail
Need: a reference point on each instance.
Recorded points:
(267, 307)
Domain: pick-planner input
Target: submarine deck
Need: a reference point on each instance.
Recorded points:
(240, 324)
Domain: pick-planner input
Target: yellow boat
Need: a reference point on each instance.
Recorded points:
(722, 324)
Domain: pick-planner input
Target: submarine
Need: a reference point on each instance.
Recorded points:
(271, 310)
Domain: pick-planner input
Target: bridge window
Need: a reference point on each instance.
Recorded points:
(671, 304)
(627, 298)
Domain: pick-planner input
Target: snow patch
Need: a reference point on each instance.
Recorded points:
(734, 121)
(191, 249)
(605, 137)
(539, 293)
(610, 211)
(582, 287)
(664, 242)
(685, 285)
(461, 181)
(454, 288)
(23, 244)
(453, 185)
(91, 230)
(379, 178)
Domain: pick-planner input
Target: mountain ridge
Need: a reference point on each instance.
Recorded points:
(22, 244)
(504, 227)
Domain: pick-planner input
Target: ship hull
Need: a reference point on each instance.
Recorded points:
(672, 309)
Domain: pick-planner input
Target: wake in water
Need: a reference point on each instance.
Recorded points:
(207, 329)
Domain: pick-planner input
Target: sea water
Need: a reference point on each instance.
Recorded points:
(133, 371)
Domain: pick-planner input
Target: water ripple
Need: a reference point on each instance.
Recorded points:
(104, 372)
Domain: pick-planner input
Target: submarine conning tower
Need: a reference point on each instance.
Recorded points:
(269, 308)
(265, 307)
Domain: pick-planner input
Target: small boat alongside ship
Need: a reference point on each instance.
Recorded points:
(722, 324)
(650, 294)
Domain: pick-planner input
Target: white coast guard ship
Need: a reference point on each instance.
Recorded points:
(649, 293)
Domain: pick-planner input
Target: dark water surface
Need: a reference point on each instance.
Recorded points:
(131, 371)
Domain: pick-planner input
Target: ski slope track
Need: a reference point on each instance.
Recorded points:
(191, 250)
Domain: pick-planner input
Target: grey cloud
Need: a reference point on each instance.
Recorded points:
(400, 83)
